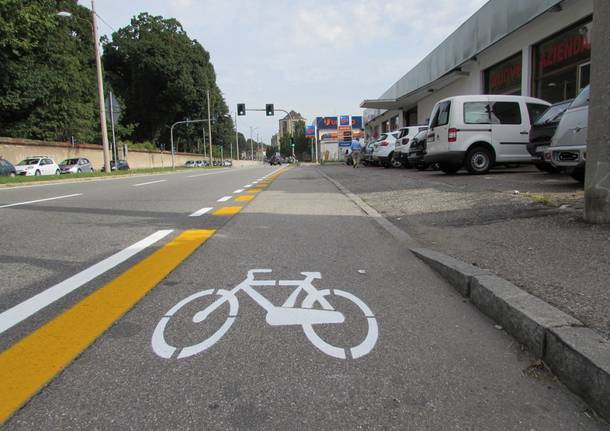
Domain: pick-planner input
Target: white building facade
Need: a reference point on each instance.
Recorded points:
(539, 48)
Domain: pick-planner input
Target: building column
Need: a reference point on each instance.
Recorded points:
(527, 71)
(597, 182)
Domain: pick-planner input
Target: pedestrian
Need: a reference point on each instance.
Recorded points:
(356, 152)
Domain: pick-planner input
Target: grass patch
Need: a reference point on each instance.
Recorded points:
(544, 199)
(26, 180)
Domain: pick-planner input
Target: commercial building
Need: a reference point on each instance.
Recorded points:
(539, 48)
(288, 124)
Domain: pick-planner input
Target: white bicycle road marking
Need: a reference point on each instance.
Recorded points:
(40, 200)
(288, 314)
(27, 308)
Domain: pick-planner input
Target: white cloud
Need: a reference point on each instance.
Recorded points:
(314, 56)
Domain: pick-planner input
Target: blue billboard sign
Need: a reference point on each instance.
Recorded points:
(344, 120)
(327, 123)
(357, 122)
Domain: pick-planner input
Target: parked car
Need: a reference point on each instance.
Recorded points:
(227, 163)
(190, 164)
(198, 163)
(542, 132)
(384, 151)
(275, 160)
(481, 131)
(75, 165)
(417, 150)
(122, 165)
(7, 169)
(406, 134)
(367, 153)
(568, 148)
(37, 165)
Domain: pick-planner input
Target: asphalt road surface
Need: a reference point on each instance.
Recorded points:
(348, 331)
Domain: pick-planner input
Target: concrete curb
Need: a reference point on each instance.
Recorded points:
(576, 354)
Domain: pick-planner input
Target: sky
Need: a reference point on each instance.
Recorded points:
(317, 57)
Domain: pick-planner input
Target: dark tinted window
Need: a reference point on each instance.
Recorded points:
(535, 111)
(582, 99)
(441, 117)
(552, 114)
(476, 113)
(505, 113)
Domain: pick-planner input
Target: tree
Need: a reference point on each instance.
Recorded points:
(301, 143)
(163, 76)
(47, 71)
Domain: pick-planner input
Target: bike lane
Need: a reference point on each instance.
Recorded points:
(436, 364)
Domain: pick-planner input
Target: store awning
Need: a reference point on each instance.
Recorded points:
(409, 100)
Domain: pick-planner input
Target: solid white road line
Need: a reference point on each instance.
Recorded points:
(201, 212)
(20, 312)
(238, 191)
(209, 173)
(225, 198)
(150, 182)
(40, 200)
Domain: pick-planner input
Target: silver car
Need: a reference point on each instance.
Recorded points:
(568, 148)
(76, 165)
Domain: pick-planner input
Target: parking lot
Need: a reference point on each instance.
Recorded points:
(522, 224)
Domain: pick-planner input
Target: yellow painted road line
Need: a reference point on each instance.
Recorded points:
(244, 198)
(227, 211)
(257, 190)
(31, 363)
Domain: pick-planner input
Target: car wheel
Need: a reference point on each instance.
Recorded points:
(57, 172)
(422, 167)
(79, 171)
(394, 162)
(479, 160)
(541, 167)
(37, 173)
(12, 174)
(449, 168)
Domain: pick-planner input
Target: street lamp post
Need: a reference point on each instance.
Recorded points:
(100, 83)
(171, 138)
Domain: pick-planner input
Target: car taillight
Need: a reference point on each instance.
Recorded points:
(452, 137)
(383, 144)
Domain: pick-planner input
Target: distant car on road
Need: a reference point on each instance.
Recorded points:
(568, 148)
(275, 160)
(542, 132)
(75, 165)
(7, 169)
(36, 166)
(121, 166)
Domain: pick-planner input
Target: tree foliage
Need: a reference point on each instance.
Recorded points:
(163, 76)
(47, 71)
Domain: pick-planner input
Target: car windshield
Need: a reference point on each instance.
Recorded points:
(28, 162)
(553, 114)
(421, 135)
(69, 162)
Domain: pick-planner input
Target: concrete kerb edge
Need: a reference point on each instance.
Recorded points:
(576, 354)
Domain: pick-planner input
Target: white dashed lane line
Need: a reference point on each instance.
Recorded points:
(224, 198)
(150, 182)
(238, 191)
(201, 212)
(41, 200)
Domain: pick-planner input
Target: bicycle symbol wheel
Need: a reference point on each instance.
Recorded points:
(356, 352)
(165, 350)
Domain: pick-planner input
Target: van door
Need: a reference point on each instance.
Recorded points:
(510, 129)
(438, 133)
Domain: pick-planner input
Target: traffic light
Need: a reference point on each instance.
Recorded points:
(241, 109)
(269, 109)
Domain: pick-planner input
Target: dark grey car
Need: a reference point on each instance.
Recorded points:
(7, 169)
(75, 165)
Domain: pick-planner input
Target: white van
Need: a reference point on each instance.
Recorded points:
(478, 132)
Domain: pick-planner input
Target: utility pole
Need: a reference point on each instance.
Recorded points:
(100, 90)
(236, 137)
(597, 181)
(209, 126)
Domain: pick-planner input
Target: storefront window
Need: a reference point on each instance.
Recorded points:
(505, 77)
(393, 123)
(563, 64)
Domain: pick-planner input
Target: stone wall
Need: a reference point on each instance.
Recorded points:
(14, 150)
